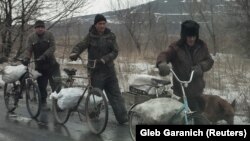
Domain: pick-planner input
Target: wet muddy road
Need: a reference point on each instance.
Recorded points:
(20, 127)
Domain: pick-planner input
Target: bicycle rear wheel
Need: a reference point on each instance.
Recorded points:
(60, 115)
(10, 97)
(134, 119)
(33, 98)
(96, 111)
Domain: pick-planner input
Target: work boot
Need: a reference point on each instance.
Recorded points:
(124, 121)
(45, 107)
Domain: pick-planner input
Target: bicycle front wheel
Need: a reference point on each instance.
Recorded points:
(10, 98)
(134, 119)
(33, 98)
(60, 115)
(96, 111)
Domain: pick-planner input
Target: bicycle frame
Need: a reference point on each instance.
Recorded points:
(87, 87)
(91, 99)
(185, 106)
(25, 78)
(16, 92)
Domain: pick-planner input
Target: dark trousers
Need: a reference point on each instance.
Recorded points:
(195, 104)
(108, 82)
(52, 76)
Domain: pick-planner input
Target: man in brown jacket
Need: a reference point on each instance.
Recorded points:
(41, 44)
(101, 45)
(187, 54)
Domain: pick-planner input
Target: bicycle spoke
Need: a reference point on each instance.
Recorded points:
(33, 99)
(10, 97)
(61, 115)
(134, 119)
(96, 111)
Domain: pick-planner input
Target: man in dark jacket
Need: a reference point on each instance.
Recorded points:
(187, 54)
(102, 47)
(42, 45)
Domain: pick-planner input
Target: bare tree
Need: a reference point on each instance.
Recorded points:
(66, 9)
(204, 10)
(136, 23)
(6, 35)
(27, 10)
(16, 15)
(240, 12)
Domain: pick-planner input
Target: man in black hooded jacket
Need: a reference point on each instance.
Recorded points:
(102, 47)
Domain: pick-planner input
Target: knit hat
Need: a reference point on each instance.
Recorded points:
(39, 23)
(98, 18)
(189, 28)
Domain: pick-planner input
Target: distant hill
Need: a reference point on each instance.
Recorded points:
(161, 8)
(168, 13)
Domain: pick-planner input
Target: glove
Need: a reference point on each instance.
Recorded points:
(164, 69)
(73, 56)
(41, 58)
(25, 61)
(197, 70)
(100, 61)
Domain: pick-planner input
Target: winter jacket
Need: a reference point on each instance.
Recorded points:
(99, 47)
(182, 60)
(42, 47)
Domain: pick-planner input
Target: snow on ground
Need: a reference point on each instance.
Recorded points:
(229, 79)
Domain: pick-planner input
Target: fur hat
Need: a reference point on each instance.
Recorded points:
(98, 18)
(39, 23)
(189, 28)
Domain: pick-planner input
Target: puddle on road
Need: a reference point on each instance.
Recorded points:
(18, 118)
(76, 130)
(43, 122)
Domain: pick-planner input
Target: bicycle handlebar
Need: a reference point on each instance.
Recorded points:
(183, 82)
(21, 59)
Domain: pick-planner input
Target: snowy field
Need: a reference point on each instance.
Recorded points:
(229, 78)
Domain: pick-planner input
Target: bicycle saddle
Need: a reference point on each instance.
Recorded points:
(70, 71)
(163, 82)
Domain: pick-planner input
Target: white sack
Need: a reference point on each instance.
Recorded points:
(13, 73)
(159, 111)
(142, 82)
(68, 97)
(96, 99)
(35, 74)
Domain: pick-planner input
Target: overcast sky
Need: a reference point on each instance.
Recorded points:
(100, 6)
(94, 7)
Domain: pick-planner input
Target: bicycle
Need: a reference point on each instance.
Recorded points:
(190, 117)
(96, 113)
(14, 91)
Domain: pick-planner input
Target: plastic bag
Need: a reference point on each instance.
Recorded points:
(96, 99)
(35, 74)
(13, 73)
(160, 111)
(143, 82)
(68, 97)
